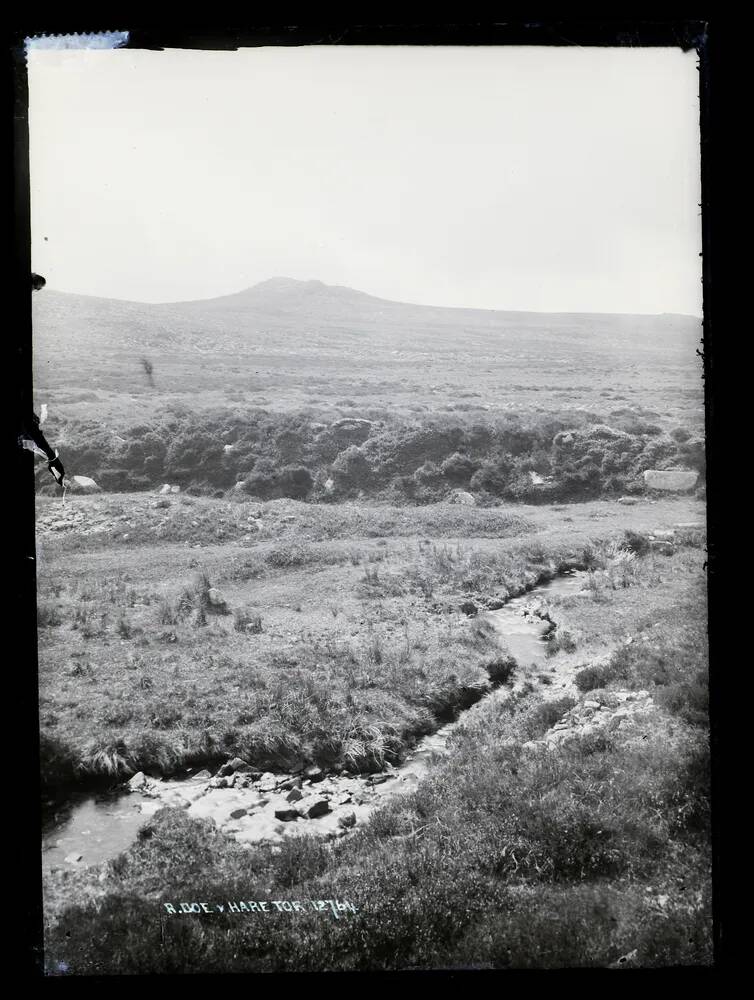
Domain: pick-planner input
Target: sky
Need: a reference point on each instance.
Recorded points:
(531, 178)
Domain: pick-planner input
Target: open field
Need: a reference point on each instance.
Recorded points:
(138, 669)
(341, 641)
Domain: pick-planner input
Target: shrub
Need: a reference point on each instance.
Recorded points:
(593, 677)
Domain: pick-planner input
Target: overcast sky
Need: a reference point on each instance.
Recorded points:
(494, 177)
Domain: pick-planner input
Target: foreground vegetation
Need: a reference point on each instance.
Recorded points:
(341, 646)
(594, 854)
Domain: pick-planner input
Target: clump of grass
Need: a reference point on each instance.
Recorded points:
(560, 641)
(48, 615)
(636, 542)
(247, 621)
(501, 669)
(166, 613)
(124, 628)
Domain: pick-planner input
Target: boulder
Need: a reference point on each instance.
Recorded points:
(462, 497)
(677, 480)
(314, 773)
(294, 795)
(139, 782)
(238, 813)
(287, 815)
(83, 484)
(318, 807)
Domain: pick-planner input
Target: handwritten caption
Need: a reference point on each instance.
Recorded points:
(338, 907)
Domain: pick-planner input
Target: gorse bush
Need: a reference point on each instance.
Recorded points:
(417, 459)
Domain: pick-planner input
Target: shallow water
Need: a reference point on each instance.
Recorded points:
(96, 828)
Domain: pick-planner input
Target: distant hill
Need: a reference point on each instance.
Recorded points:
(284, 336)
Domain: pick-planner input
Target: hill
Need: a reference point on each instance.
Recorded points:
(286, 343)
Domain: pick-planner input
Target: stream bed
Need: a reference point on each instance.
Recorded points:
(93, 828)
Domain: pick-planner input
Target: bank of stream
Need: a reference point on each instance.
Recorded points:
(95, 827)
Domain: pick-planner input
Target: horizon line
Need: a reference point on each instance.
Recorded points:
(426, 305)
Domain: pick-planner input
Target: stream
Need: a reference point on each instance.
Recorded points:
(94, 828)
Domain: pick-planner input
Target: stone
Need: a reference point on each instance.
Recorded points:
(287, 815)
(628, 501)
(380, 779)
(237, 764)
(469, 608)
(215, 598)
(317, 808)
(291, 783)
(73, 859)
(294, 795)
(139, 782)
(314, 773)
(202, 775)
(462, 497)
(165, 489)
(175, 489)
(677, 480)
(347, 820)
(238, 813)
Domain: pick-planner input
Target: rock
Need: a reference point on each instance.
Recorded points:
(139, 782)
(314, 773)
(380, 779)
(216, 599)
(238, 813)
(203, 775)
(294, 795)
(462, 497)
(347, 820)
(628, 501)
(591, 704)
(237, 764)
(165, 489)
(469, 608)
(175, 489)
(267, 781)
(671, 479)
(73, 859)
(291, 783)
(84, 484)
(317, 808)
(287, 815)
